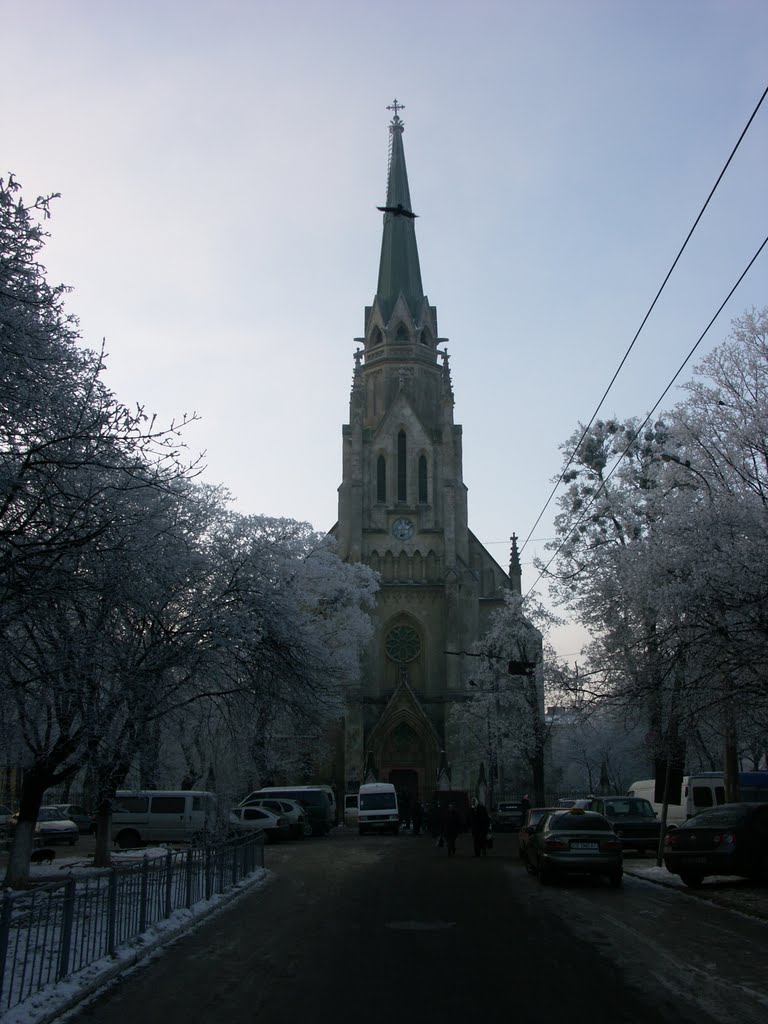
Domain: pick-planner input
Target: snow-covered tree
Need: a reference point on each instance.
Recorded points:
(501, 722)
(661, 546)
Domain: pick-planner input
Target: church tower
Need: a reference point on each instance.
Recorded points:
(403, 511)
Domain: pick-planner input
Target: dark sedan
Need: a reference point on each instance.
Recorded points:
(507, 816)
(731, 839)
(633, 818)
(574, 841)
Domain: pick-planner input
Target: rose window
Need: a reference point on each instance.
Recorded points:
(402, 644)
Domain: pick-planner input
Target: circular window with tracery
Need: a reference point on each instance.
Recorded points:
(402, 644)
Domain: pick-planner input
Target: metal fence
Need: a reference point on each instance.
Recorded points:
(59, 928)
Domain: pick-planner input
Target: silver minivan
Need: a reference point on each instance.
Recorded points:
(162, 816)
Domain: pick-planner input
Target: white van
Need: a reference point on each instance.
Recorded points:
(162, 816)
(698, 793)
(377, 808)
(703, 790)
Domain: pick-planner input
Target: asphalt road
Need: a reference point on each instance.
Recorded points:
(389, 929)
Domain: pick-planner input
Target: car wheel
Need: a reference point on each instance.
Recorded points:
(546, 875)
(128, 839)
(616, 878)
(692, 879)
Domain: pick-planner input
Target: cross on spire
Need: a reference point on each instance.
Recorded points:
(394, 105)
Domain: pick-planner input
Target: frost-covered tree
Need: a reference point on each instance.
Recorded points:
(501, 722)
(661, 547)
(72, 458)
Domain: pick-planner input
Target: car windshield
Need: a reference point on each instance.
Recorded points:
(377, 801)
(579, 823)
(50, 814)
(631, 808)
(717, 817)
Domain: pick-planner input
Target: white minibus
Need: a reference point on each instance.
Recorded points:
(377, 808)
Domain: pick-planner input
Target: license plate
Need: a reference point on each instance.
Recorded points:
(694, 860)
(583, 846)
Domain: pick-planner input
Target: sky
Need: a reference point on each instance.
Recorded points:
(220, 164)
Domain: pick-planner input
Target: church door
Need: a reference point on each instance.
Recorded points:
(406, 782)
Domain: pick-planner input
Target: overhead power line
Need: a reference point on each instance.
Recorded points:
(645, 318)
(658, 402)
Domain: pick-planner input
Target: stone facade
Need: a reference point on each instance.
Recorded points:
(403, 511)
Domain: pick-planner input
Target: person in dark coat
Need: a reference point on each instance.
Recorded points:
(417, 816)
(452, 828)
(480, 825)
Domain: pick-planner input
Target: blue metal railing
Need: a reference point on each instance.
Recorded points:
(58, 929)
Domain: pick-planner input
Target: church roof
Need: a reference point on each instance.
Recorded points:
(399, 270)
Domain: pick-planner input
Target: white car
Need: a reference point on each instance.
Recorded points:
(254, 819)
(291, 810)
(51, 827)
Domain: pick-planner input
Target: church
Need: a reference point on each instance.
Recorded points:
(403, 512)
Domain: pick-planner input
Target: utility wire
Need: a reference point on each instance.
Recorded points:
(645, 318)
(658, 402)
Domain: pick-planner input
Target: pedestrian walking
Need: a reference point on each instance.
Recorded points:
(417, 817)
(480, 826)
(452, 828)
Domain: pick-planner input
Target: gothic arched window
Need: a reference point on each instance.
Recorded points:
(376, 337)
(423, 480)
(402, 332)
(381, 479)
(425, 337)
(402, 490)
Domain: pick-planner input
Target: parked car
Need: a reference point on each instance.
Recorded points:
(574, 841)
(633, 819)
(728, 840)
(314, 799)
(85, 822)
(507, 816)
(251, 818)
(295, 814)
(51, 827)
(532, 818)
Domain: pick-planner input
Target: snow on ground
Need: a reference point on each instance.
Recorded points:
(727, 891)
(56, 1000)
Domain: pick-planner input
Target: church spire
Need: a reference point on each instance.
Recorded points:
(399, 270)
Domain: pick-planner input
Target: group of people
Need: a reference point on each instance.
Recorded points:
(445, 823)
(478, 821)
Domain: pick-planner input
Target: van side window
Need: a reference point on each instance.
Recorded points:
(702, 796)
(197, 803)
(133, 805)
(168, 804)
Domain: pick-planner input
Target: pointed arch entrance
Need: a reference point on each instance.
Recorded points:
(405, 746)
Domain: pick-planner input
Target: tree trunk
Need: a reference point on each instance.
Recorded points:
(33, 788)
